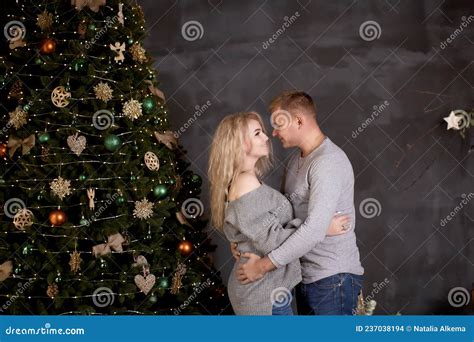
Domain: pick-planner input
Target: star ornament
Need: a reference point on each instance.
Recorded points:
(453, 120)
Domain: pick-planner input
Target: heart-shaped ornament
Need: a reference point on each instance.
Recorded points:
(145, 284)
(76, 143)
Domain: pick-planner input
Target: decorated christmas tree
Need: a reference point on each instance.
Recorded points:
(100, 213)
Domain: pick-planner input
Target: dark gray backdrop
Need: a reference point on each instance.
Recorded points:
(403, 157)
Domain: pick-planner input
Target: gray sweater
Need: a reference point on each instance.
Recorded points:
(318, 186)
(259, 221)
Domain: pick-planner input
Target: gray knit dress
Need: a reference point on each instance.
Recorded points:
(259, 221)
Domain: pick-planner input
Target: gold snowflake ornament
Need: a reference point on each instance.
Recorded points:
(132, 109)
(103, 91)
(44, 20)
(143, 209)
(61, 187)
(18, 117)
(138, 53)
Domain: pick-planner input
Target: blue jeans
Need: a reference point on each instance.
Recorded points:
(284, 310)
(334, 295)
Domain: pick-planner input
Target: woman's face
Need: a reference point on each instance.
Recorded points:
(257, 143)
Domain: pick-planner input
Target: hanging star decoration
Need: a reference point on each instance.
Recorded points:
(453, 120)
(60, 187)
(143, 209)
(103, 91)
(44, 20)
(18, 118)
(132, 109)
(94, 5)
(138, 53)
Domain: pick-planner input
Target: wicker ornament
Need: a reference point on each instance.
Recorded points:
(52, 291)
(177, 281)
(103, 91)
(145, 283)
(151, 161)
(45, 154)
(132, 109)
(143, 209)
(61, 187)
(44, 20)
(18, 118)
(16, 91)
(75, 262)
(138, 53)
(77, 143)
(23, 219)
(60, 96)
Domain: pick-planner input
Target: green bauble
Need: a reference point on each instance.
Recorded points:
(44, 137)
(92, 27)
(120, 200)
(39, 197)
(82, 177)
(83, 221)
(130, 41)
(163, 283)
(38, 61)
(153, 299)
(196, 179)
(2, 180)
(160, 191)
(133, 178)
(148, 104)
(79, 64)
(112, 142)
(103, 263)
(26, 107)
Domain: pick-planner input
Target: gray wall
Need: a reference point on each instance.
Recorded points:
(404, 158)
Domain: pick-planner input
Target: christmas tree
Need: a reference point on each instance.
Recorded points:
(100, 212)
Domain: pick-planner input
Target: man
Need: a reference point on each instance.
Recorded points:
(319, 181)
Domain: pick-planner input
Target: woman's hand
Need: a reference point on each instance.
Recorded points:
(340, 224)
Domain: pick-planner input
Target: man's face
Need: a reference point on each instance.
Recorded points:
(285, 128)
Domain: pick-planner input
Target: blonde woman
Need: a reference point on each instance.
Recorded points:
(252, 214)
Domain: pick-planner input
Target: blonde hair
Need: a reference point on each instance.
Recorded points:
(225, 159)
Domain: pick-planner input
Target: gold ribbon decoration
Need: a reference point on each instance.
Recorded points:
(26, 144)
(5, 270)
(114, 242)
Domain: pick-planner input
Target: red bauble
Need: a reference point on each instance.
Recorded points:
(185, 247)
(57, 217)
(3, 150)
(48, 46)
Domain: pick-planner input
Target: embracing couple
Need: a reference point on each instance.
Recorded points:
(279, 242)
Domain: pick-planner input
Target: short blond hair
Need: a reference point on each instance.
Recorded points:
(293, 101)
